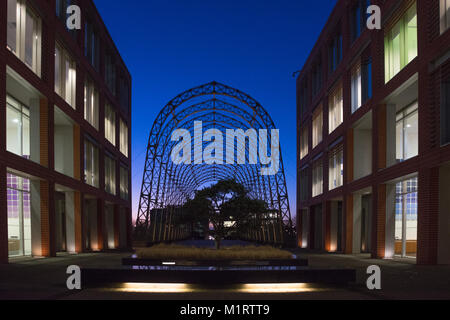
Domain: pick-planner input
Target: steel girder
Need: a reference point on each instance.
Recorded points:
(220, 107)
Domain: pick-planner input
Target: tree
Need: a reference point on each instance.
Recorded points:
(227, 206)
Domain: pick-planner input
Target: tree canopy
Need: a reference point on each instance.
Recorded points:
(227, 206)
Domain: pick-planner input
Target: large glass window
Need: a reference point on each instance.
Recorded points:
(91, 45)
(24, 34)
(110, 175)
(336, 167)
(123, 138)
(366, 80)
(317, 129)
(63, 143)
(335, 52)
(65, 75)
(18, 128)
(358, 18)
(356, 86)
(110, 73)
(316, 78)
(124, 192)
(304, 137)
(406, 218)
(303, 96)
(445, 14)
(110, 124)
(91, 172)
(317, 178)
(19, 215)
(335, 108)
(400, 44)
(124, 95)
(304, 185)
(91, 103)
(407, 133)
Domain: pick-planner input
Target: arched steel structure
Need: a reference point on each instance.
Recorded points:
(166, 185)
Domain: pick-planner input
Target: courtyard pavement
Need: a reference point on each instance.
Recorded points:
(28, 278)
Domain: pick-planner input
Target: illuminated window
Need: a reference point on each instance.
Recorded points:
(19, 215)
(356, 88)
(65, 75)
(110, 124)
(445, 14)
(317, 178)
(91, 172)
(110, 175)
(406, 217)
(124, 192)
(400, 44)
(407, 133)
(335, 108)
(24, 34)
(304, 137)
(17, 128)
(91, 103)
(123, 138)
(336, 167)
(317, 126)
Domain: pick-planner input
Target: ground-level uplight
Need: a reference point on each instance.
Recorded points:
(135, 287)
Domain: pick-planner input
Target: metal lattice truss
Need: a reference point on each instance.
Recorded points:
(220, 107)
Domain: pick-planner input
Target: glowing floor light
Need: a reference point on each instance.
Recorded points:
(132, 287)
(153, 287)
(276, 288)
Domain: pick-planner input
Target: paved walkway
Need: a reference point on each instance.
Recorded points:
(401, 279)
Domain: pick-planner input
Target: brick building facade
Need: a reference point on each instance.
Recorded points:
(373, 130)
(65, 137)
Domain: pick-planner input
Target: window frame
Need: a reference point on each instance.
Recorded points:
(333, 104)
(91, 109)
(92, 179)
(110, 175)
(124, 183)
(336, 160)
(19, 108)
(390, 54)
(356, 85)
(317, 178)
(317, 126)
(63, 59)
(123, 138)
(401, 116)
(23, 10)
(444, 15)
(110, 126)
(304, 142)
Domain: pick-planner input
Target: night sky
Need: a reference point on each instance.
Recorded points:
(170, 46)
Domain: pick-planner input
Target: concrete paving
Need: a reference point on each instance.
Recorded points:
(401, 279)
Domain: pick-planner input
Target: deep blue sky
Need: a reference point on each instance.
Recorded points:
(170, 46)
